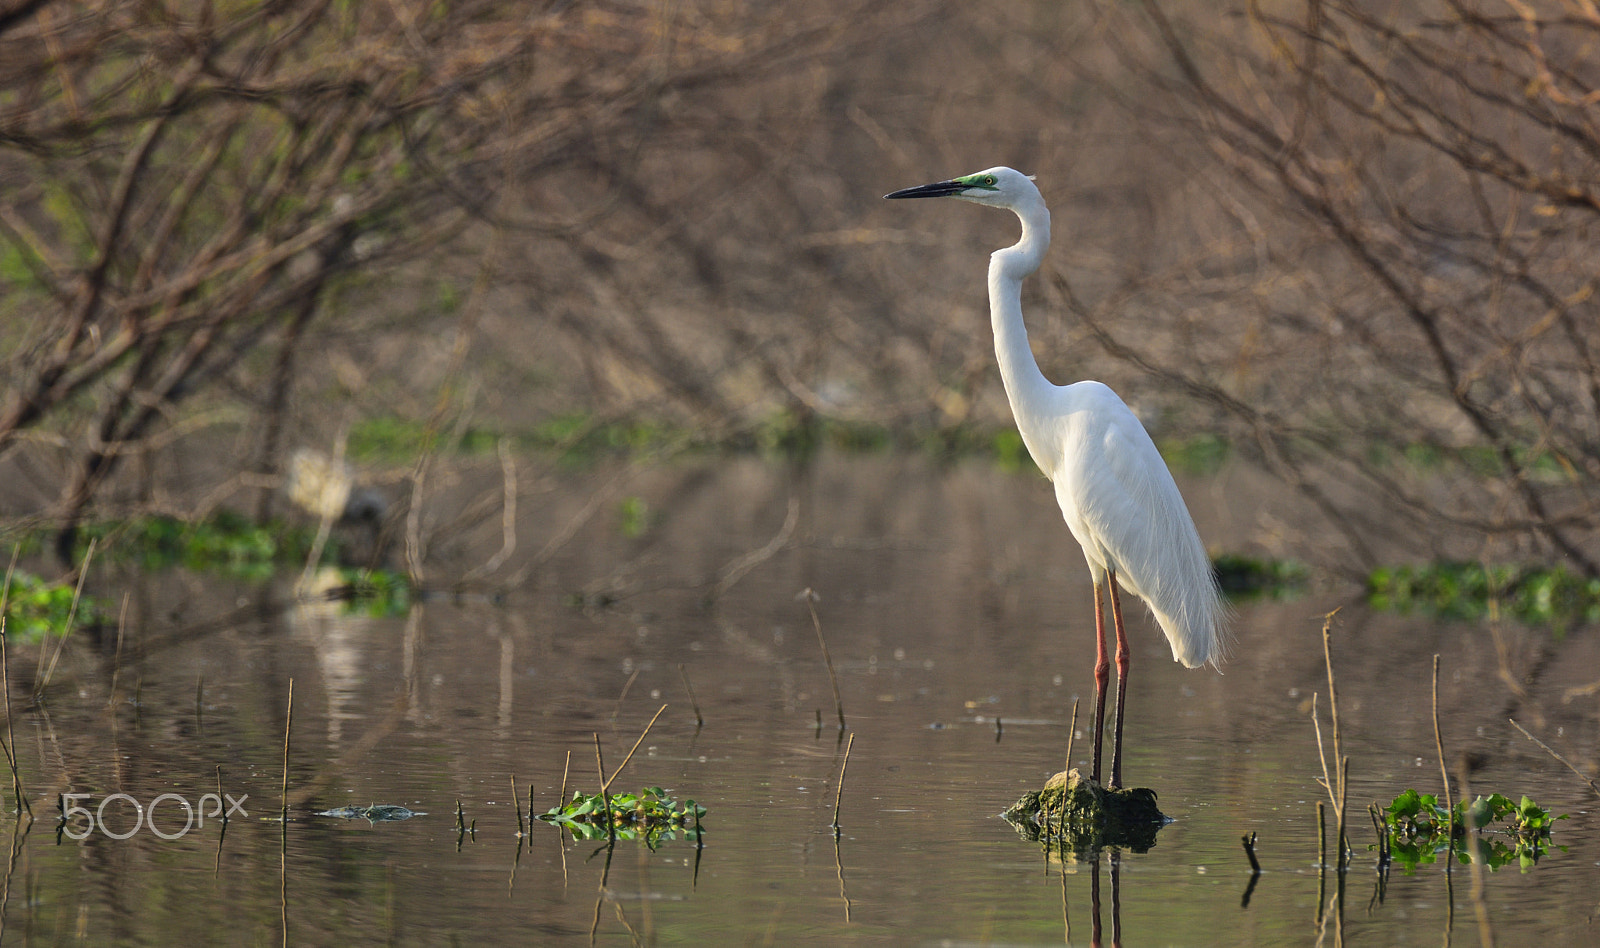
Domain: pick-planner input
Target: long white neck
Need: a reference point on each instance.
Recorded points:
(1026, 387)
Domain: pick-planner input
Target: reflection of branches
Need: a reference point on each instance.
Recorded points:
(1546, 748)
(1350, 238)
(838, 865)
(1426, 186)
(736, 569)
(19, 834)
(181, 194)
(247, 179)
(1277, 441)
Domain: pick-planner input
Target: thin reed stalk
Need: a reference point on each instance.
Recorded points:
(1379, 828)
(1322, 755)
(1072, 735)
(72, 615)
(1344, 842)
(5, 675)
(1336, 787)
(838, 792)
(288, 725)
(1552, 753)
(605, 798)
(1333, 691)
(838, 703)
(116, 663)
(1444, 774)
(605, 782)
(5, 592)
(1322, 834)
(693, 702)
(11, 737)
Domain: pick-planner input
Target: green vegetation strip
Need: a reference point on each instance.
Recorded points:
(1539, 595)
(580, 438)
(225, 544)
(1246, 577)
(37, 607)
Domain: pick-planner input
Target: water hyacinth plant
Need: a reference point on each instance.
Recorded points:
(649, 815)
(1420, 828)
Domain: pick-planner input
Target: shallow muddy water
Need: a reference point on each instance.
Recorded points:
(956, 608)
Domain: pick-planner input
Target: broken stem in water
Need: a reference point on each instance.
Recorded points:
(516, 801)
(1249, 842)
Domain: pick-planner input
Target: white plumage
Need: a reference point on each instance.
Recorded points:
(1116, 493)
(1123, 508)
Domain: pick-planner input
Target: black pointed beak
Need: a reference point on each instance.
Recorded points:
(938, 189)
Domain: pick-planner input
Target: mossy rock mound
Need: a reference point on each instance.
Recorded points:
(1075, 812)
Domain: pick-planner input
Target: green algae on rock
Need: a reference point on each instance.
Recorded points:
(1074, 811)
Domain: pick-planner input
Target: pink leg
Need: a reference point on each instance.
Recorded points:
(1122, 680)
(1102, 677)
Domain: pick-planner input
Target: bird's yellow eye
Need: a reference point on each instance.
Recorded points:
(989, 180)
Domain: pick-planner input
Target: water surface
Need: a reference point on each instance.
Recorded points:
(957, 612)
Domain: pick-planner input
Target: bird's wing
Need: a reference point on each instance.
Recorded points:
(1123, 506)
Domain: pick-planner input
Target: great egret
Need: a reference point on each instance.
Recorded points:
(1118, 497)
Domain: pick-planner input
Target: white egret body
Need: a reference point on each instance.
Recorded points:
(1116, 493)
